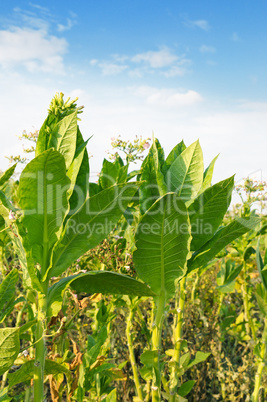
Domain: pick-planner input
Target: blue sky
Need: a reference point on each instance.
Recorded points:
(184, 70)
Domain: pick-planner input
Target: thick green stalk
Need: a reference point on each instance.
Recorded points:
(40, 349)
(156, 345)
(193, 292)
(249, 322)
(151, 322)
(27, 394)
(177, 338)
(132, 356)
(261, 365)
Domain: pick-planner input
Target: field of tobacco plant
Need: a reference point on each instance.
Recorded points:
(143, 286)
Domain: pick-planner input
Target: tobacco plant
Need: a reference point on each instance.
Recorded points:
(178, 233)
(58, 221)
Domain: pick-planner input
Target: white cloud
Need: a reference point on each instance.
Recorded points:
(41, 8)
(70, 23)
(111, 68)
(202, 24)
(177, 70)
(67, 27)
(168, 97)
(253, 106)
(156, 59)
(30, 19)
(164, 61)
(93, 62)
(33, 49)
(207, 49)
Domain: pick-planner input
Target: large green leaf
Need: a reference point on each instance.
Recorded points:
(5, 201)
(44, 134)
(207, 211)
(90, 225)
(109, 173)
(185, 175)
(262, 267)
(153, 183)
(24, 253)
(25, 372)
(158, 162)
(7, 174)
(110, 283)
(94, 282)
(162, 241)
(43, 198)
(78, 191)
(173, 155)
(8, 287)
(81, 177)
(228, 273)
(63, 137)
(221, 239)
(207, 177)
(9, 348)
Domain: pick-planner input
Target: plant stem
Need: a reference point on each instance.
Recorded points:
(220, 304)
(132, 356)
(177, 338)
(3, 382)
(249, 322)
(261, 365)
(27, 394)
(151, 322)
(40, 349)
(156, 345)
(193, 292)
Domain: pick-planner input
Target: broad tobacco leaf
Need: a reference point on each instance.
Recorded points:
(43, 198)
(185, 175)
(207, 211)
(9, 348)
(221, 239)
(95, 282)
(63, 137)
(163, 243)
(90, 225)
(26, 371)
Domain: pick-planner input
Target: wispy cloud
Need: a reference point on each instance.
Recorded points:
(69, 24)
(29, 19)
(156, 59)
(202, 24)
(207, 49)
(41, 8)
(164, 61)
(111, 68)
(168, 97)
